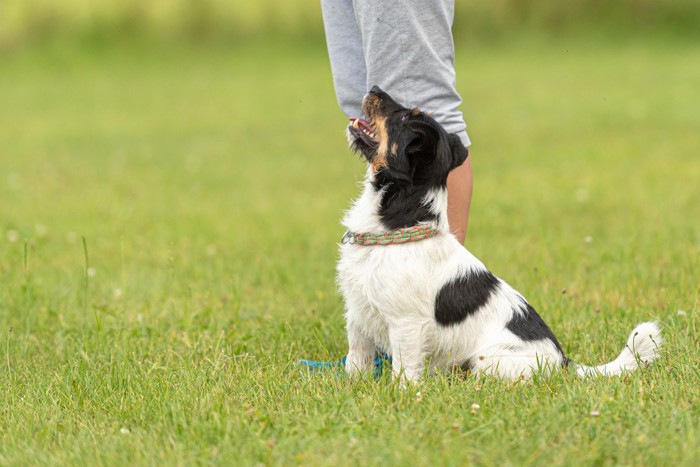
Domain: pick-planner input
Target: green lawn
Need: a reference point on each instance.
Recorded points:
(208, 183)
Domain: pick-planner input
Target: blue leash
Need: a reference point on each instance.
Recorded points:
(380, 361)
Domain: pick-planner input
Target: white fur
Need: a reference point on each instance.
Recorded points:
(390, 292)
(642, 347)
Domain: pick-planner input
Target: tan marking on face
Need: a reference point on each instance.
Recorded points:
(370, 106)
(380, 159)
(415, 112)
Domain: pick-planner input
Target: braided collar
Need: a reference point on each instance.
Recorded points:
(391, 237)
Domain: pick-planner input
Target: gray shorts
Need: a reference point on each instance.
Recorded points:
(403, 46)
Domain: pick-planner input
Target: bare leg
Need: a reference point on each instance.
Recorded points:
(459, 196)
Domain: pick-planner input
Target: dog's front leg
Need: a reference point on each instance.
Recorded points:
(360, 352)
(408, 358)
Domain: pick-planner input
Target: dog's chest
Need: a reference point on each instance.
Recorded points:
(392, 281)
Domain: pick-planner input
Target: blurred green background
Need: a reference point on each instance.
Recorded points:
(23, 21)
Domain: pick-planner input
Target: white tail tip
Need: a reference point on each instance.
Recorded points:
(642, 347)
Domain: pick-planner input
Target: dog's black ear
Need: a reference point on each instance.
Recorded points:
(423, 140)
(459, 152)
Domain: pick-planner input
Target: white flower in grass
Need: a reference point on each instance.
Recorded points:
(91, 272)
(41, 230)
(681, 312)
(595, 413)
(124, 430)
(588, 239)
(12, 236)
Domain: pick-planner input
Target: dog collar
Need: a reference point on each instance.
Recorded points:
(391, 237)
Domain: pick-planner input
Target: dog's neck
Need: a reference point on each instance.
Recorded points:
(385, 208)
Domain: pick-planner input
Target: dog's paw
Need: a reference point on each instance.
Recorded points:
(357, 363)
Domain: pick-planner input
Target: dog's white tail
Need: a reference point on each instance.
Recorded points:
(642, 347)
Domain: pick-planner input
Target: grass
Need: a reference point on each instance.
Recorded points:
(168, 242)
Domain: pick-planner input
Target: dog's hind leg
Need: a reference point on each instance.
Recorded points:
(517, 361)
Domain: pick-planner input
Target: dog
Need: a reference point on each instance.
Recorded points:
(412, 290)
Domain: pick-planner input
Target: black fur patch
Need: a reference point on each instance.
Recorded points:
(462, 297)
(403, 206)
(529, 326)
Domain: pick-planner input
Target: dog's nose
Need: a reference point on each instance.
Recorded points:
(376, 90)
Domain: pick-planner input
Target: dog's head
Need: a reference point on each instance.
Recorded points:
(401, 145)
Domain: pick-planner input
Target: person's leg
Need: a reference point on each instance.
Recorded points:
(409, 53)
(459, 196)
